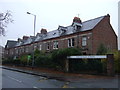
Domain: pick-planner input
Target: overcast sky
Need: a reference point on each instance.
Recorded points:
(52, 13)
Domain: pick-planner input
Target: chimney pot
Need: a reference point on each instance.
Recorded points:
(77, 20)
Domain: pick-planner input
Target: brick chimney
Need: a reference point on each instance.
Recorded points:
(19, 39)
(25, 37)
(43, 31)
(77, 20)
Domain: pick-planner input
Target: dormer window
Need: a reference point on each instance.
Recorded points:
(77, 26)
(54, 33)
(77, 23)
(62, 29)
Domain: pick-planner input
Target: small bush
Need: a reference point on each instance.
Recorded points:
(117, 61)
(23, 60)
(7, 61)
(42, 59)
(102, 50)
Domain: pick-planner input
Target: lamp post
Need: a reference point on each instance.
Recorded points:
(34, 35)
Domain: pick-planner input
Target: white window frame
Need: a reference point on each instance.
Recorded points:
(84, 41)
(40, 47)
(48, 46)
(55, 44)
(71, 42)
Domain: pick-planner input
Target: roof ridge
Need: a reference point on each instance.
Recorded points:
(12, 40)
(82, 22)
(93, 19)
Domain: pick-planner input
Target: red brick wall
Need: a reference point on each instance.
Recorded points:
(103, 33)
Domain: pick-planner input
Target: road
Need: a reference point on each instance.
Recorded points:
(13, 79)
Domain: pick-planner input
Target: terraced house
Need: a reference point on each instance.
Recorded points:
(86, 35)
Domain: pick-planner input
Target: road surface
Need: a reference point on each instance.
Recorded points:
(13, 79)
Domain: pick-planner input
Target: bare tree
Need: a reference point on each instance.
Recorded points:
(5, 19)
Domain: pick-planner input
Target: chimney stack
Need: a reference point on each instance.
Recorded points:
(19, 39)
(77, 20)
(25, 37)
(43, 31)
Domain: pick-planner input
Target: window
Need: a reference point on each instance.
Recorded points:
(40, 48)
(84, 41)
(35, 47)
(22, 49)
(16, 50)
(7, 52)
(48, 46)
(26, 49)
(12, 52)
(71, 42)
(55, 45)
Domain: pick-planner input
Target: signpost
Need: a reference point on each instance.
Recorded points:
(28, 59)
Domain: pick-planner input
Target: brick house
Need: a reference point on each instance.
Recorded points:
(86, 35)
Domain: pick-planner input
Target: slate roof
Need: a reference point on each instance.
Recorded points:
(61, 31)
(87, 25)
(10, 44)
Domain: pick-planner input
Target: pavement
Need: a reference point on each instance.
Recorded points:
(51, 74)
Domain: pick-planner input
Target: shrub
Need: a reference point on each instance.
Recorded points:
(86, 65)
(23, 59)
(42, 59)
(16, 61)
(59, 56)
(77, 65)
(104, 64)
(117, 61)
(102, 50)
(7, 61)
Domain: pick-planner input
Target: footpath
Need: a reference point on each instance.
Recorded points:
(52, 74)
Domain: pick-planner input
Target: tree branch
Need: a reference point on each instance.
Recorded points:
(4, 17)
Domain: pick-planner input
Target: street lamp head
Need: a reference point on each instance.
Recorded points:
(28, 13)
